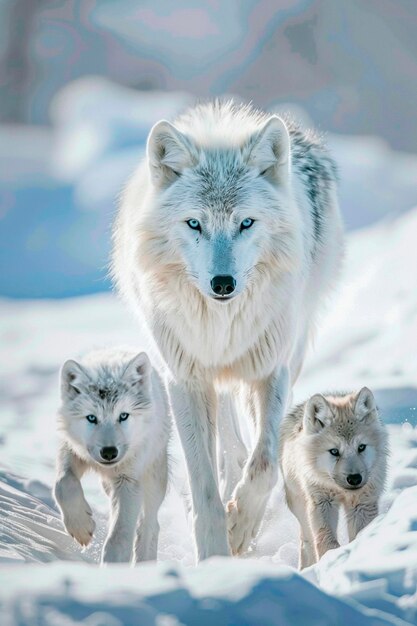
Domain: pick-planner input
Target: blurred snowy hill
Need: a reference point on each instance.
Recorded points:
(59, 186)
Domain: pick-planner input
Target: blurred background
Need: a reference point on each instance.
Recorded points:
(82, 81)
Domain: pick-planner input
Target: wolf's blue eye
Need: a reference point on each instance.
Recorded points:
(92, 419)
(362, 447)
(194, 224)
(334, 452)
(123, 417)
(247, 223)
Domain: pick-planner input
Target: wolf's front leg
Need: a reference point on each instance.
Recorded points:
(194, 407)
(231, 450)
(76, 512)
(360, 516)
(247, 505)
(125, 508)
(154, 485)
(322, 515)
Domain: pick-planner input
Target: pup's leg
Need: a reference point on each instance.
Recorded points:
(322, 514)
(307, 555)
(154, 486)
(297, 503)
(360, 516)
(194, 408)
(76, 512)
(125, 506)
(247, 506)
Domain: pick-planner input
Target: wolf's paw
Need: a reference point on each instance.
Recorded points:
(242, 527)
(79, 523)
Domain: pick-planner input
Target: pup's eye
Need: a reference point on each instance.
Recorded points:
(194, 224)
(362, 447)
(334, 452)
(92, 419)
(123, 417)
(247, 223)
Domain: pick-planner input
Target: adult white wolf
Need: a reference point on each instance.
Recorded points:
(227, 238)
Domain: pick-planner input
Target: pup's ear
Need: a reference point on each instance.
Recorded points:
(317, 414)
(169, 152)
(74, 379)
(138, 370)
(365, 406)
(269, 150)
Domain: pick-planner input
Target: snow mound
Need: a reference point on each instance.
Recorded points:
(370, 333)
(30, 530)
(220, 591)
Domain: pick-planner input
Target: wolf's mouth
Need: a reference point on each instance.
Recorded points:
(107, 463)
(223, 298)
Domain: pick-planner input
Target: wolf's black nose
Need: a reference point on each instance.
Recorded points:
(354, 479)
(223, 285)
(109, 454)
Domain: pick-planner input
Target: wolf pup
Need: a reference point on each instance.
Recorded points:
(114, 420)
(227, 242)
(333, 451)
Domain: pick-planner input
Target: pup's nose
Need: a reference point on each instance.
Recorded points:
(109, 454)
(354, 479)
(223, 285)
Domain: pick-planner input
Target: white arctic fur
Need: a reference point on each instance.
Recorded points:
(108, 385)
(220, 164)
(317, 481)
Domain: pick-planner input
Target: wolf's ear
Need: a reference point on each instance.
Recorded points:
(138, 370)
(317, 414)
(269, 150)
(74, 379)
(169, 152)
(365, 406)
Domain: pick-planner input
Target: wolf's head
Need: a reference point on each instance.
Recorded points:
(222, 199)
(105, 407)
(344, 437)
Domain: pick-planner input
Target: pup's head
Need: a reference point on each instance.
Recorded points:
(105, 407)
(343, 437)
(223, 207)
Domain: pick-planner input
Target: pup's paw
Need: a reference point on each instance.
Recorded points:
(79, 523)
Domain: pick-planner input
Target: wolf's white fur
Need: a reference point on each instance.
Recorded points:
(220, 164)
(106, 384)
(316, 482)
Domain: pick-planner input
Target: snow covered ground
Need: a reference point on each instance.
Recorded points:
(368, 336)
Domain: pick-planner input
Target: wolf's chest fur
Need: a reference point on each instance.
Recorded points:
(241, 339)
